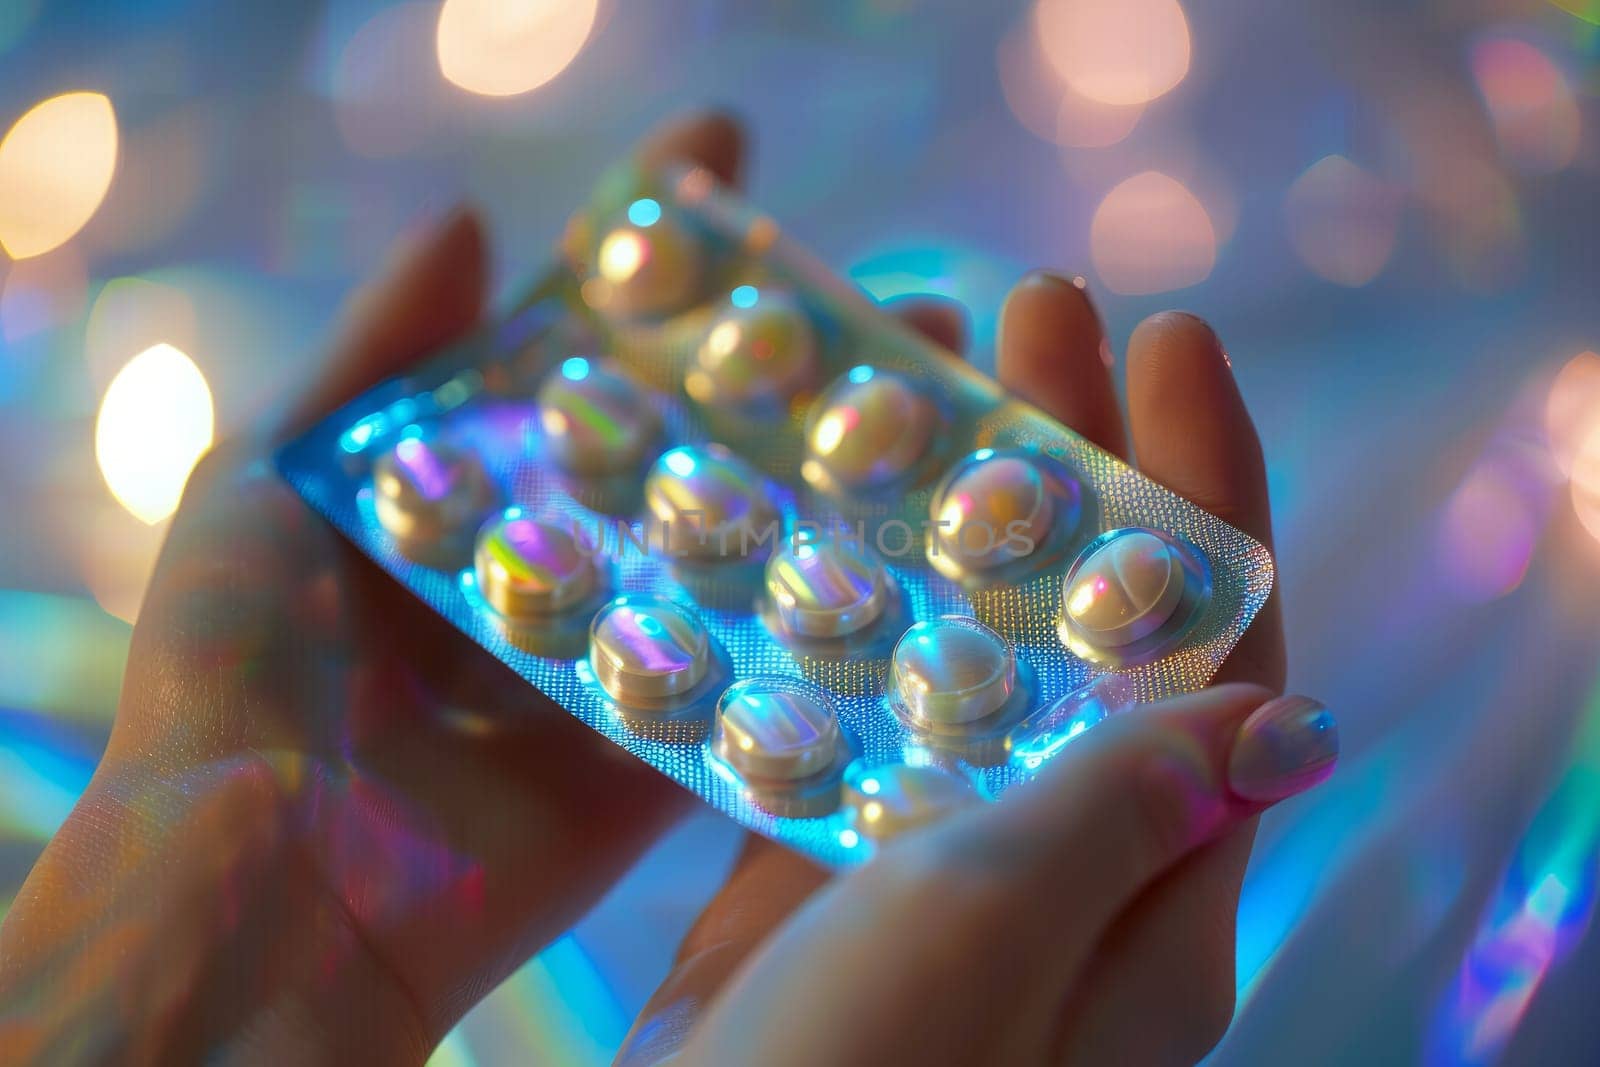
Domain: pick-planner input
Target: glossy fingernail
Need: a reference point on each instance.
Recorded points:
(1285, 747)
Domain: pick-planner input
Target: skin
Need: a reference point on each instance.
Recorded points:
(326, 824)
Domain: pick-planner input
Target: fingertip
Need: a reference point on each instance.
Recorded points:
(713, 138)
(1052, 350)
(941, 319)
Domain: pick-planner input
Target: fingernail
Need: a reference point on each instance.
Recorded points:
(1285, 747)
(1075, 282)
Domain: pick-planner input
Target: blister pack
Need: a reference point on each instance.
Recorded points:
(718, 505)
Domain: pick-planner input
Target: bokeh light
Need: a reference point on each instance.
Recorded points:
(1530, 103)
(1342, 221)
(1048, 107)
(131, 315)
(43, 294)
(1489, 529)
(1586, 482)
(1572, 408)
(1115, 51)
(56, 165)
(1151, 235)
(507, 47)
(155, 423)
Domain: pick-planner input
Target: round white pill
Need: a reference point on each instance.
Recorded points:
(869, 429)
(992, 510)
(827, 587)
(898, 797)
(952, 670)
(428, 491)
(645, 648)
(594, 419)
(1124, 589)
(776, 728)
(757, 354)
(712, 505)
(528, 568)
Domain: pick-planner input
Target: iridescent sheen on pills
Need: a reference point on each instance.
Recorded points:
(645, 649)
(898, 797)
(777, 728)
(827, 587)
(712, 505)
(952, 671)
(1131, 595)
(427, 493)
(529, 568)
(756, 354)
(594, 419)
(871, 429)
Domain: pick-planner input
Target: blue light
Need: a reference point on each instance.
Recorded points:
(680, 462)
(575, 368)
(644, 212)
(849, 838)
(861, 375)
(744, 296)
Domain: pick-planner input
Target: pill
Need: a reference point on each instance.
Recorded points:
(992, 510)
(776, 728)
(756, 354)
(869, 429)
(898, 797)
(710, 503)
(644, 649)
(826, 587)
(650, 265)
(952, 670)
(594, 419)
(527, 568)
(427, 491)
(1124, 588)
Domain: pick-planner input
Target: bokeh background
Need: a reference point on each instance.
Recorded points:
(1389, 210)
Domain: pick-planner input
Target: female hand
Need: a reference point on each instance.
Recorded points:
(326, 824)
(975, 972)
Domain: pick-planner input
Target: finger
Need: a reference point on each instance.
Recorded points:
(1174, 947)
(766, 884)
(431, 292)
(710, 139)
(1052, 351)
(1043, 874)
(1192, 434)
(940, 319)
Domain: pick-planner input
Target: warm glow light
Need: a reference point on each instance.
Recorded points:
(1586, 483)
(55, 167)
(1115, 51)
(1342, 221)
(506, 47)
(621, 255)
(1572, 410)
(155, 423)
(1150, 235)
(1530, 103)
(1051, 110)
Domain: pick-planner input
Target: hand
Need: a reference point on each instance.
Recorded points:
(936, 952)
(326, 823)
